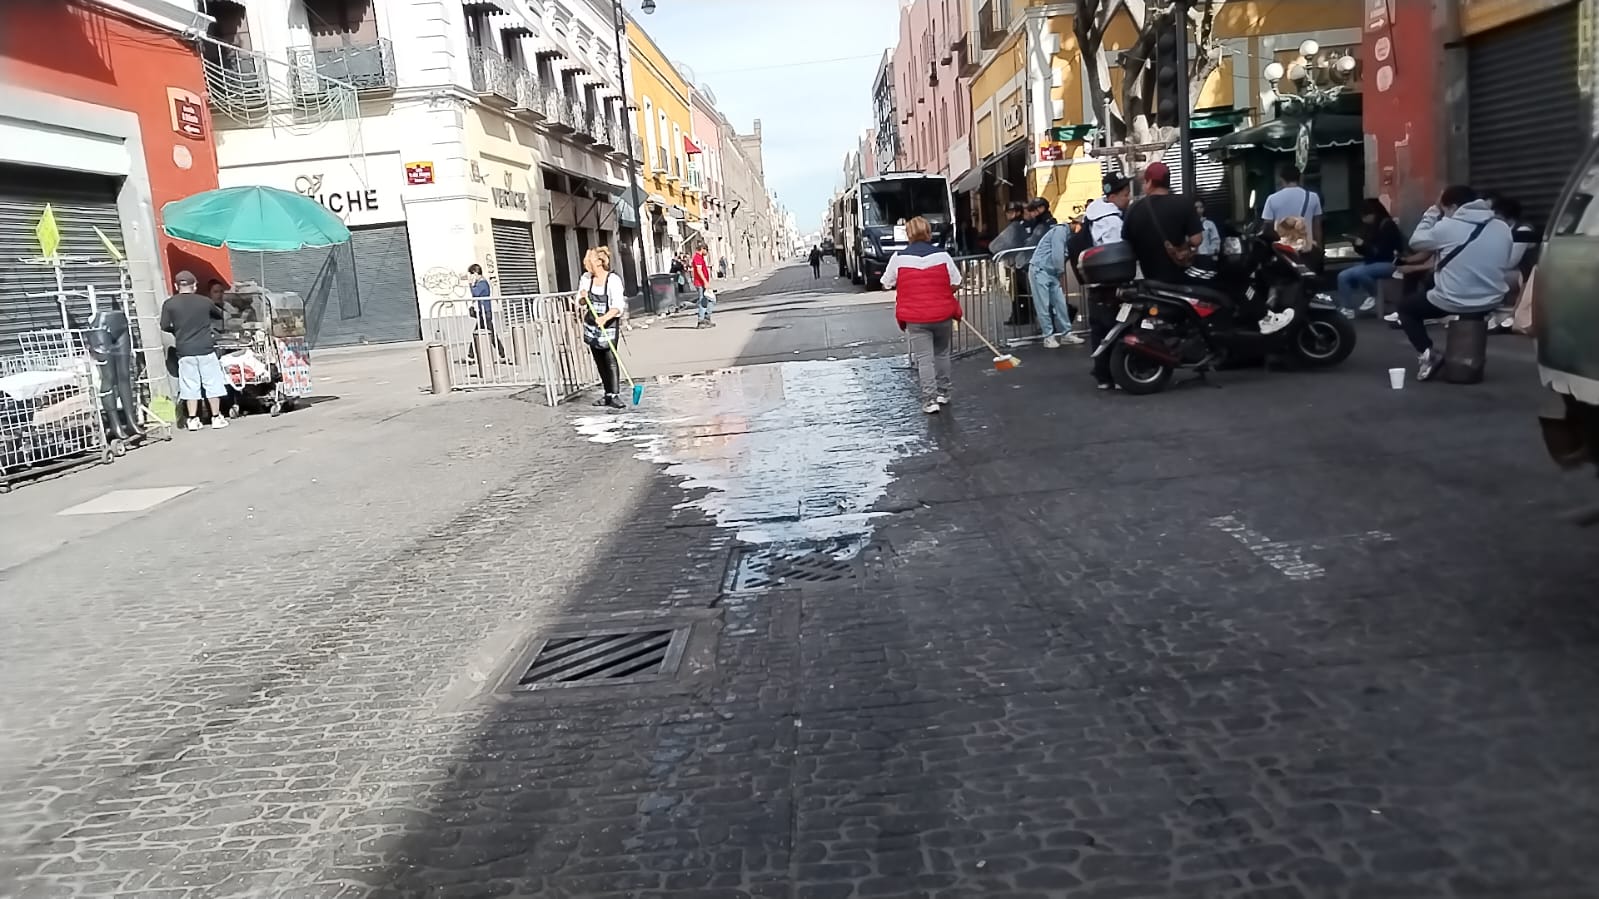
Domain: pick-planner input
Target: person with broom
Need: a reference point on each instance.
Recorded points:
(926, 308)
(600, 303)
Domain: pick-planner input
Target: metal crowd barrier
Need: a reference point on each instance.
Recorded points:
(525, 341)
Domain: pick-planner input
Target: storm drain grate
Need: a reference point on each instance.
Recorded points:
(755, 569)
(600, 658)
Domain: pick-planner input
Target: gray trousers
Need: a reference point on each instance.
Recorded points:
(930, 345)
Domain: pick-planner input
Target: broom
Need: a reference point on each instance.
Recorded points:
(638, 389)
(1002, 361)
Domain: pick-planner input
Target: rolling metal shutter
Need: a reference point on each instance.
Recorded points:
(513, 250)
(81, 203)
(1526, 125)
(360, 292)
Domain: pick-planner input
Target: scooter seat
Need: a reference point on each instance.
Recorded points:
(1196, 291)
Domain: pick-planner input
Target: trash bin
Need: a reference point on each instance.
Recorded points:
(663, 293)
(1465, 349)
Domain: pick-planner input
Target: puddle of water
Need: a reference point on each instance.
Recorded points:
(790, 455)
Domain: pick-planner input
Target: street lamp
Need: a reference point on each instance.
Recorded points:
(635, 184)
(1319, 79)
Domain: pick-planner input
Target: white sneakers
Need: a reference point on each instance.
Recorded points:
(1427, 364)
(931, 408)
(1068, 339)
(1368, 304)
(193, 425)
(218, 422)
(1072, 339)
(1051, 343)
(1276, 321)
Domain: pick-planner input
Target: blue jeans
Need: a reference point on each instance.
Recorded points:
(705, 304)
(1357, 282)
(1049, 302)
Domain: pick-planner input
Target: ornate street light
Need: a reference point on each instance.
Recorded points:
(1319, 79)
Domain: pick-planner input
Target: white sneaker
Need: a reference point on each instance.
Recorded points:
(193, 424)
(1427, 364)
(218, 423)
(1051, 343)
(931, 408)
(1391, 318)
(941, 400)
(1073, 340)
(1276, 321)
(1368, 304)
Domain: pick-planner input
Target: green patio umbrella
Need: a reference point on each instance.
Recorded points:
(253, 218)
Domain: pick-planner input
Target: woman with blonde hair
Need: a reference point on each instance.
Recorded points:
(600, 305)
(926, 308)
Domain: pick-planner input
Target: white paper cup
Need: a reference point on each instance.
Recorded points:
(1396, 378)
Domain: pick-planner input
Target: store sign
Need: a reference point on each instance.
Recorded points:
(339, 202)
(1050, 152)
(508, 197)
(418, 173)
(1012, 119)
(187, 111)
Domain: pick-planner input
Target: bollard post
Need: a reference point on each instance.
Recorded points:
(483, 345)
(439, 368)
(519, 349)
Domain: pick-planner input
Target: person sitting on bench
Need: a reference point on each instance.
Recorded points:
(1473, 248)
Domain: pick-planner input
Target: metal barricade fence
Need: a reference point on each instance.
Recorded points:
(525, 341)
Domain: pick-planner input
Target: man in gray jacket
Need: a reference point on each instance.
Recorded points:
(1472, 247)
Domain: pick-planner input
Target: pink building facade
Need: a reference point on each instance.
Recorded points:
(707, 134)
(933, 117)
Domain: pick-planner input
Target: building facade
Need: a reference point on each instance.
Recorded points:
(707, 134)
(888, 117)
(673, 180)
(102, 119)
(443, 134)
(1033, 119)
(1463, 92)
(929, 90)
(749, 209)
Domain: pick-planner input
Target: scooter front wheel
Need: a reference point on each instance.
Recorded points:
(1136, 373)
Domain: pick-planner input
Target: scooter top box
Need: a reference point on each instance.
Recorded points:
(1113, 263)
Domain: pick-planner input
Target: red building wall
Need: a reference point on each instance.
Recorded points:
(77, 50)
(1403, 105)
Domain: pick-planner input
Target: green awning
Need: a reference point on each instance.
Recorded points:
(1214, 119)
(1279, 135)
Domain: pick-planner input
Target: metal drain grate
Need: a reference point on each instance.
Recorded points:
(601, 658)
(755, 569)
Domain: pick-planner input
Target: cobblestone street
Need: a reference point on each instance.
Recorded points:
(1300, 636)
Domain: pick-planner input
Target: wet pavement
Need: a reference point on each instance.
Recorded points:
(1299, 636)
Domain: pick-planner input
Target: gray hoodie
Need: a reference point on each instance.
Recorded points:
(1474, 280)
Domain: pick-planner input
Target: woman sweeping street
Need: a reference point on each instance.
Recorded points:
(600, 304)
(925, 306)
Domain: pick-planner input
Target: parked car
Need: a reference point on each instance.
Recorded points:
(1565, 305)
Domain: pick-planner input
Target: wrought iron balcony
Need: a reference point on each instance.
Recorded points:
(659, 164)
(557, 112)
(529, 97)
(606, 133)
(493, 76)
(367, 66)
(582, 123)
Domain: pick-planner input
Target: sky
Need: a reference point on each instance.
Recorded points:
(762, 60)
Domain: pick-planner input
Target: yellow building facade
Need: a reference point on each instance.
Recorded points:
(1030, 100)
(664, 126)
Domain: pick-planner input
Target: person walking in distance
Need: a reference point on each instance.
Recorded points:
(600, 300)
(482, 310)
(816, 263)
(924, 279)
(700, 270)
(189, 318)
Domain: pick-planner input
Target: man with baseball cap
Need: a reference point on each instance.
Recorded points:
(188, 317)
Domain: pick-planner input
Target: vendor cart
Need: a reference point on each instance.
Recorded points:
(262, 346)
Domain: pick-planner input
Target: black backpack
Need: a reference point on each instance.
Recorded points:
(1082, 240)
